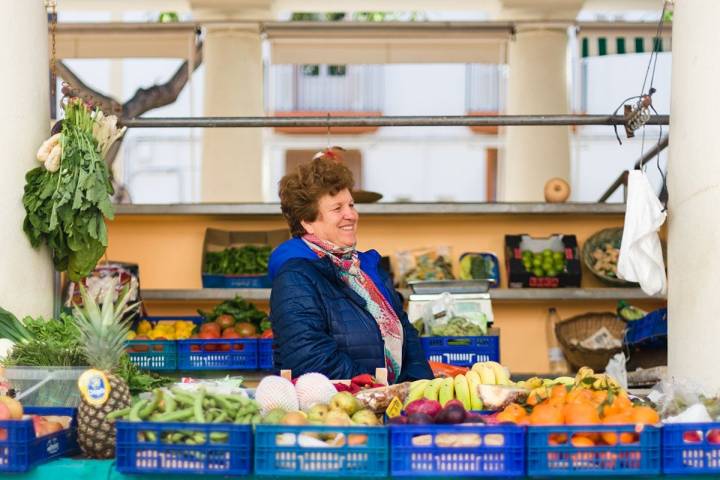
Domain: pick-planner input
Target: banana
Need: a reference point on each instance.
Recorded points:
(462, 391)
(501, 374)
(431, 389)
(447, 391)
(473, 380)
(487, 376)
(583, 373)
(417, 389)
(564, 380)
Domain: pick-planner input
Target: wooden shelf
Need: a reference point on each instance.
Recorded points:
(273, 209)
(497, 295)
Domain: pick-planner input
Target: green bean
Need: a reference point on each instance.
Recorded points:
(134, 416)
(152, 405)
(151, 436)
(222, 416)
(177, 415)
(170, 403)
(117, 413)
(218, 437)
(199, 414)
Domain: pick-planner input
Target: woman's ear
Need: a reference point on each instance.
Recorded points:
(307, 226)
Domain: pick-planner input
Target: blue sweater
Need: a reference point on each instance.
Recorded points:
(321, 325)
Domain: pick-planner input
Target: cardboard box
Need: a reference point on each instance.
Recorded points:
(519, 277)
(218, 240)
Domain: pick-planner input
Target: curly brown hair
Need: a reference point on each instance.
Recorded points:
(301, 190)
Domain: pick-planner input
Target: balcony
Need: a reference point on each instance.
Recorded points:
(485, 87)
(336, 90)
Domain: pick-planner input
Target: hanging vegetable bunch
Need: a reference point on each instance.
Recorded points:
(67, 199)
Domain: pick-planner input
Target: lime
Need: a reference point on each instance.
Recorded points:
(547, 265)
(537, 262)
(538, 272)
(547, 252)
(560, 266)
(527, 264)
(526, 254)
(551, 272)
(558, 256)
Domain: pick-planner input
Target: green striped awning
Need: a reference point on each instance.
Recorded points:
(598, 46)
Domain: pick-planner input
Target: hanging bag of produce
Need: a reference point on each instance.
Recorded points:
(67, 198)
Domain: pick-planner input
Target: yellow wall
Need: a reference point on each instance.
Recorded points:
(168, 250)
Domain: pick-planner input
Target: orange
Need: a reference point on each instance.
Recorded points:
(581, 414)
(620, 403)
(557, 439)
(558, 394)
(624, 418)
(645, 415)
(581, 440)
(579, 395)
(512, 413)
(599, 397)
(546, 414)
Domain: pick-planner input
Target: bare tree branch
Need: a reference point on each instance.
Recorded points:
(157, 96)
(107, 104)
(144, 100)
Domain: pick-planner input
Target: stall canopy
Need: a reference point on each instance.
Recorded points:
(596, 40)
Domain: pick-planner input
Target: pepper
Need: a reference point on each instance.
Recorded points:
(363, 380)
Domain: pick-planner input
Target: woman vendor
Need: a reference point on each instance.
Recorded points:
(333, 309)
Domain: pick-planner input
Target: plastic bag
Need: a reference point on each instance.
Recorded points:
(446, 317)
(616, 369)
(682, 400)
(111, 275)
(424, 264)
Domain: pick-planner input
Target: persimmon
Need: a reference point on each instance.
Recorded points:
(546, 414)
(620, 403)
(557, 439)
(581, 440)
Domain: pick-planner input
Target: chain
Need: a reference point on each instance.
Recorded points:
(51, 6)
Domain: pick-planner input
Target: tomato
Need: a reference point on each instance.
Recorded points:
(225, 321)
(267, 333)
(713, 436)
(245, 329)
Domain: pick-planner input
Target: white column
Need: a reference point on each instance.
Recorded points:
(537, 84)
(26, 275)
(694, 189)
(232, 157)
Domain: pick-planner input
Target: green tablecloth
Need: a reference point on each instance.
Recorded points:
(81, 469)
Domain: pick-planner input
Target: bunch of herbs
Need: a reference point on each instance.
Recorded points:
(66, 209)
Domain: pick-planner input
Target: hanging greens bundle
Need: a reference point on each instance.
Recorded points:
(67, 199)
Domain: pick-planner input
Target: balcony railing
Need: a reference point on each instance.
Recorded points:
(326, 88)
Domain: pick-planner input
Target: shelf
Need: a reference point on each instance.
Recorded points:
(272, 209)
(498, 295)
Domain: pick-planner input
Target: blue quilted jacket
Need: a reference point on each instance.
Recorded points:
(321, 325)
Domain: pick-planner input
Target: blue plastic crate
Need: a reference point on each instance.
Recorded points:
(462, 351)
(219, 354)
(20, 450)
(145, 448)
(291, 451)
(429, 450)
(649, 331)
(235, 281)
(159, 355)
(691, 448)
(265, 354)
(563, 459)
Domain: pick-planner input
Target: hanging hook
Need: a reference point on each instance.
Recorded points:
(328, 132)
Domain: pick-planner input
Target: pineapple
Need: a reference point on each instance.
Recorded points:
(103, 332)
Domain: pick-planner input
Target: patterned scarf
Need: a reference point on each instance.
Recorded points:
(347, 261)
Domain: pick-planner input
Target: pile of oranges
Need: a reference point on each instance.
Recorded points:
(578, 405)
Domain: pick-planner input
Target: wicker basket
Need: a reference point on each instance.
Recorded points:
(581, 327)
(612, 236)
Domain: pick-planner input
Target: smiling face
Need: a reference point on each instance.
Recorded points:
(337, 220)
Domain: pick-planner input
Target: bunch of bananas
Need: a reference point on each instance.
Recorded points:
(587, 378)
(462, 388)
(492, 373)
(540, 387)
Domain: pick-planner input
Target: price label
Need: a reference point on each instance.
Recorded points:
(395, 407)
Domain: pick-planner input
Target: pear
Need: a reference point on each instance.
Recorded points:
(346, 402)
(294, 418)
(317, 413)
(365, 417)
(337, 418)
(274, 416)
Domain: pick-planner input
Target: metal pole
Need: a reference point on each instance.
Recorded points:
(649, 155)
(406, 121)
